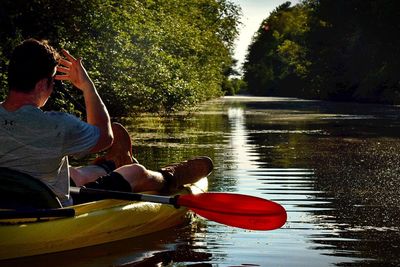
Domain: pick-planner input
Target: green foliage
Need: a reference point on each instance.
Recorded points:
(233, 86)
(150, 55)
(278, 55)
(343, 50)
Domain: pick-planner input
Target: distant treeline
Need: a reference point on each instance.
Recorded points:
(344, 50)
(144, 55)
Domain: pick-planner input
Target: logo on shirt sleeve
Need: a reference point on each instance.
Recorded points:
(8, 124)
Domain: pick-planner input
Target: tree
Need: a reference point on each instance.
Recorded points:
(149, 55)
(276, 60)
(342, 50)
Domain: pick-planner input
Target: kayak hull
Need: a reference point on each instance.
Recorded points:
(94, 223)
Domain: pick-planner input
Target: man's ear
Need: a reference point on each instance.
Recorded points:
(43, 83)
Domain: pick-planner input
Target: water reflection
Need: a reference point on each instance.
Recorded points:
(243, 152)
(343, 207)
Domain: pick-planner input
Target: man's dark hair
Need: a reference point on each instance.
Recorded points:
(31, 61)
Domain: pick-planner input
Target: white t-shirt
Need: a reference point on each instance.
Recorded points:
(37, 143)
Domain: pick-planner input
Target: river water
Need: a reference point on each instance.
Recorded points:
(333, 166)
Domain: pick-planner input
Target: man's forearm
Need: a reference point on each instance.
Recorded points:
(97, 115)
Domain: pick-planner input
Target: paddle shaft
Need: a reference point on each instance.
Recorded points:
(124, 195)
(37, 213)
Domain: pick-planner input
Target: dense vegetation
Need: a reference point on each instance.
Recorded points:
(144, 55)
(346, 50)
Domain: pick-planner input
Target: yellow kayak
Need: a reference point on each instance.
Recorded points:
(94, 223)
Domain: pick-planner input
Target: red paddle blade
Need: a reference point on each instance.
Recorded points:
(237, 210)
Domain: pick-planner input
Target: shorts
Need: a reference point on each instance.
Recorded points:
(111, 181)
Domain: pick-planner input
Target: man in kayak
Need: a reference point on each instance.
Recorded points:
(38, 143)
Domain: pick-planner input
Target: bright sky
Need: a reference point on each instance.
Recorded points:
(254, 12)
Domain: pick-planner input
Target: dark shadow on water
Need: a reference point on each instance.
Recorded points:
(181, 254)
(362, 177)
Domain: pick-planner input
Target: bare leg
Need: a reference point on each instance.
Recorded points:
(142, 179)
(170, 178)
(121, 150)
(86, 174)
(139, 178)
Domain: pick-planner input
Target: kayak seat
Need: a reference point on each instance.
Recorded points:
(21, 191)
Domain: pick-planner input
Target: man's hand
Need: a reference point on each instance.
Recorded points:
(72, 70)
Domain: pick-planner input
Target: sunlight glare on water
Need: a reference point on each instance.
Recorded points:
(291, 187)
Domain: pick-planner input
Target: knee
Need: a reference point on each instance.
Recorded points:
(132, 172)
